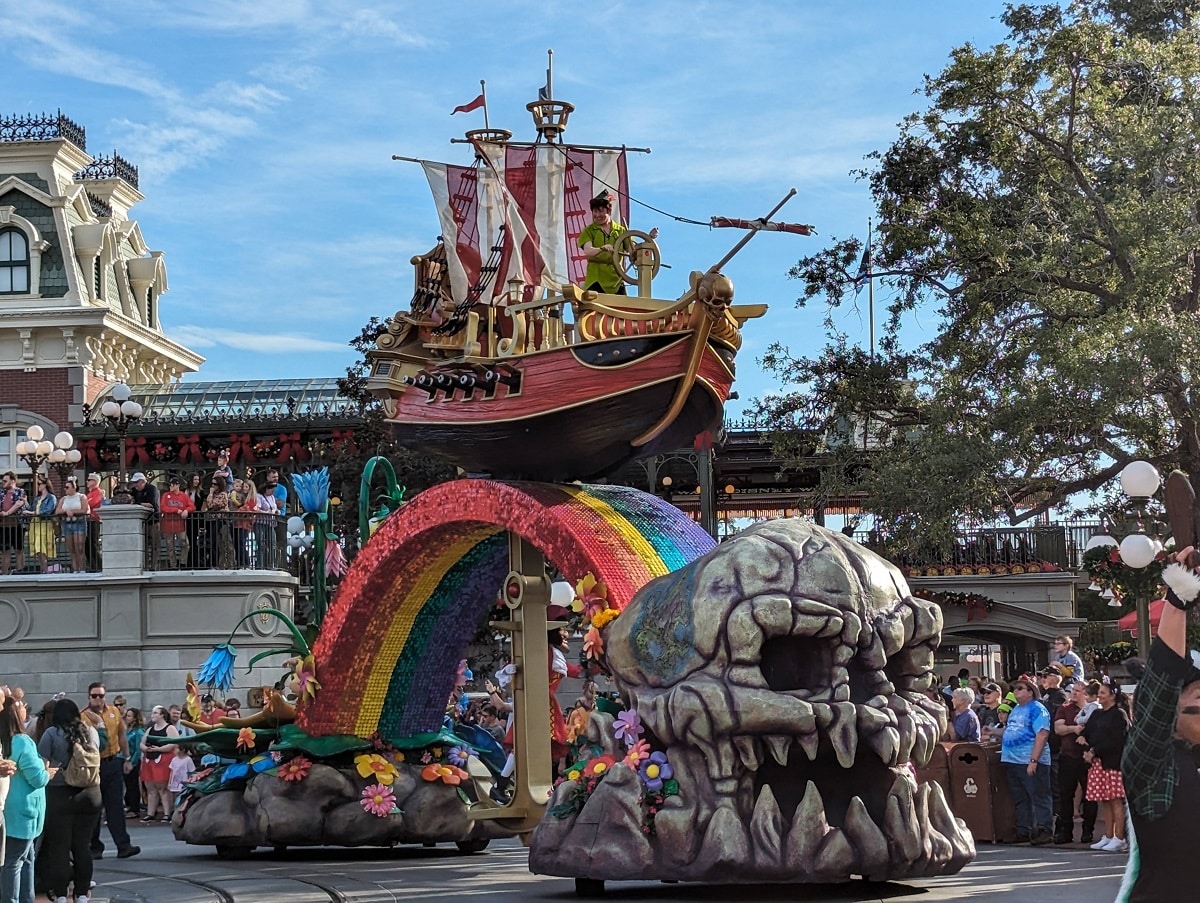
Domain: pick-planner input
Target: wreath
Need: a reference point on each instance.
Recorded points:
(1105, 568)
(1110, 654)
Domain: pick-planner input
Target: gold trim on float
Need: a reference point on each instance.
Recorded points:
(700, 333)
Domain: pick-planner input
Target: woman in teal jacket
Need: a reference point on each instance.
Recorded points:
(25, 807)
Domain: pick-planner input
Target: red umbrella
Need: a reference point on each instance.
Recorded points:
(1128, 622)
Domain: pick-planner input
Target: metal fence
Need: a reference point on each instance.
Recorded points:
(1059, 544)
(39, 545)
(216, 540)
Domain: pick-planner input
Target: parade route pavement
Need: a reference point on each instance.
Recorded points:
(171, 872)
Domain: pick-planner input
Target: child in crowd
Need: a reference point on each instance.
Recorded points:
(182, 766)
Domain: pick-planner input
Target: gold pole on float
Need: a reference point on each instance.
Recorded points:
(527, 592)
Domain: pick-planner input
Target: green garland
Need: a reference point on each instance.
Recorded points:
(960, 600)
(1110, 654)
(1105, 568)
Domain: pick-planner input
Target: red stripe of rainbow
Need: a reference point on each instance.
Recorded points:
(403, 615)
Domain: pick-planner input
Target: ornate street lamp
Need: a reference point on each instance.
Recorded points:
(121, 412)
(1140, 481)
(36, 450)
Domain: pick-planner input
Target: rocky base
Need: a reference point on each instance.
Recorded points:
(324, 809)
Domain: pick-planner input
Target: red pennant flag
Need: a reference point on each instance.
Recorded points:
(468, 107)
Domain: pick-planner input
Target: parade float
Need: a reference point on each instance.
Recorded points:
(772, 687)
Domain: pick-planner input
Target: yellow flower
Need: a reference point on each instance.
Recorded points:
(602, 619)
(573, 774)
(372, 765)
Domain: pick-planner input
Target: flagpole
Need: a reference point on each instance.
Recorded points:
(483, 91)
(550, 75)
(870, 288)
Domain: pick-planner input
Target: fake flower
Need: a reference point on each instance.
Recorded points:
(457, 756)
(593, 643)
(426, 757)
(628, 726)
(591, 596)
(447, 774)
(638, 753)
(655, 770)
(397, 757)
(304, 678)
(374, 765)
(295, 769)
(246, 738)
(217, 670)
(598, 766)
(378, 800)
(574, 773)
(602, 619)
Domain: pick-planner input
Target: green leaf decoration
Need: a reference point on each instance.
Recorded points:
(462, 795)
(670, 788)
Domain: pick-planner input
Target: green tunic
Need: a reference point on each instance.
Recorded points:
(600, 269)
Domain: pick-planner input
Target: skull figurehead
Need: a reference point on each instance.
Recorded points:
(785, 674)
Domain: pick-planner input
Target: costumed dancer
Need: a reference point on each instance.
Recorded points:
(558, 641)
(1159, 767)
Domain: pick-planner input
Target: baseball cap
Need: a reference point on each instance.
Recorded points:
(175, 480)
(137, 477)
(991, 688)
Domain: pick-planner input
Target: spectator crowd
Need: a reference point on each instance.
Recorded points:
(1061, 734)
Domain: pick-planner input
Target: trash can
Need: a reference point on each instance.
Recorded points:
(1004, 815)
(971, 789)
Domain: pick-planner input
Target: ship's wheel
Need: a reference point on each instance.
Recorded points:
(627, 250)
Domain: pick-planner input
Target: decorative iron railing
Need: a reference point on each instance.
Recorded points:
(216, 541)
(1013, 549)
(42, 127)
(99, 207)
(114, 167)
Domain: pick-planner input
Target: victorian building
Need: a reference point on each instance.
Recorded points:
(80, 288)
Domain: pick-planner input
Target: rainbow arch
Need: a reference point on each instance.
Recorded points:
(403, 615)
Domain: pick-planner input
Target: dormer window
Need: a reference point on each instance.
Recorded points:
(14, 262)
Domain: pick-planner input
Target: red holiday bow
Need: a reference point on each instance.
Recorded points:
(135, 452)
(91, 455)
(240, 447)
(189, 449)
(343, 441)
(290, 446)
(976, 609)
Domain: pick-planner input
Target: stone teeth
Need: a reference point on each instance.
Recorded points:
(807, 831)
(904, 736)
(836, 856)
(885, 743)
(726, 844)
(766, 833)
(870, 719)
(823, 714)
(900, 821)
(878, 702)
(843, 734)
(810, 743)
(778, 745)
(867, 840)
(749, 751)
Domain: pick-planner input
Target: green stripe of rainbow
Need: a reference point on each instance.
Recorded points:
(388, 651)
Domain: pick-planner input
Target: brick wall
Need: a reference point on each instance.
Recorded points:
(47, 392)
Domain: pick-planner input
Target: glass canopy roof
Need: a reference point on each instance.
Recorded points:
(222, 400)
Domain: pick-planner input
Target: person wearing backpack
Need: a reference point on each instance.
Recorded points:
(72, 812)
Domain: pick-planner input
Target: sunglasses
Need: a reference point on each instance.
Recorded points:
(96, 695)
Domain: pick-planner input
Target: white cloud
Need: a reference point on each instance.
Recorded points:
(264, 342)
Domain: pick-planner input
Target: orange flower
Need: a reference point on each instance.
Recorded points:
(246, 738)
(447, 774)
(602, 619)
(593, 643)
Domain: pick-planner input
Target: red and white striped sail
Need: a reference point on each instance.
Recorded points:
(541, 194)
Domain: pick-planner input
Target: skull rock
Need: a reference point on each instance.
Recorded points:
(790, 664)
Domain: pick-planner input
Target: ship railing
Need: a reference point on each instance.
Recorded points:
(538, 325)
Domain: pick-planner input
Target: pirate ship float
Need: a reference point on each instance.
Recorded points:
(506, 366)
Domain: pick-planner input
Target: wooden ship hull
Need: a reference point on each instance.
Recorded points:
(506, 366)
(572, 412)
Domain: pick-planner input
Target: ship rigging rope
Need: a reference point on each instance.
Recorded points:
(679, 219)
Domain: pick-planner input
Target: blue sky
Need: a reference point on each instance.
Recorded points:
(264, 134)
